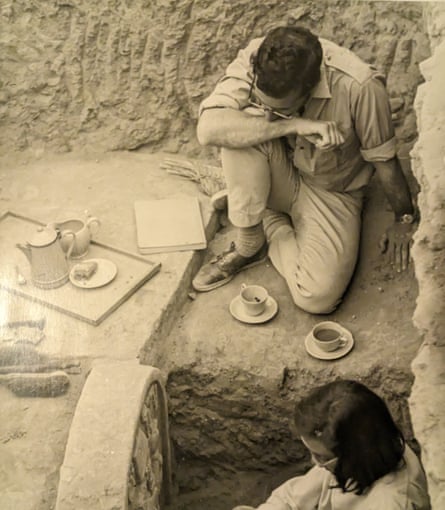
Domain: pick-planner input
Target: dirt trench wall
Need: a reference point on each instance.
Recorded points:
(427, 401)
(229, 420)
(124, 74)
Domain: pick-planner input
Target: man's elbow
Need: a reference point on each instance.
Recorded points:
(203, 134)
(205, 131)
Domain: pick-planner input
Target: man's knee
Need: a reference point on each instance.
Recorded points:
(320, 299)
(317, 304)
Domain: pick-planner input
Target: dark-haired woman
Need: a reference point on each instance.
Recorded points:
(361, 459)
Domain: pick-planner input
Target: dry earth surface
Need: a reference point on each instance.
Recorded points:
(34, 431)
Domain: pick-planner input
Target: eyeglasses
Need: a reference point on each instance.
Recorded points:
(269, 111)
(266, 109)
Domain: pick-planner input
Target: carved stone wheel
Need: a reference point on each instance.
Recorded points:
(118, 450)
(145, 476)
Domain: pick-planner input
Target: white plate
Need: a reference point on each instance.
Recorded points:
(238, 311)
(318, 353)
(106, 272)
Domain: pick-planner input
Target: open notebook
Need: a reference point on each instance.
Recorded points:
(169, 225)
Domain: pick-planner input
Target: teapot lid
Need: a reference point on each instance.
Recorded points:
(43, 237)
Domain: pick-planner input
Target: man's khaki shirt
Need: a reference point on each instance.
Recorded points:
(350, 92)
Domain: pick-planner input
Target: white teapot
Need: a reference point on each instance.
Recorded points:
(49, 265)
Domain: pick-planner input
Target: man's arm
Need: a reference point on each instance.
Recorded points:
(235, 129)
(395, 187)
(397, 239)
(373, 124)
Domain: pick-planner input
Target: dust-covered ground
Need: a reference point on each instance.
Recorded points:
(34, 431)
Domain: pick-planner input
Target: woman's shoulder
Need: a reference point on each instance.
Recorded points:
(403, 489)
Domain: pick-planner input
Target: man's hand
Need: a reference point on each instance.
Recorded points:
(396, 243)
(324, 135)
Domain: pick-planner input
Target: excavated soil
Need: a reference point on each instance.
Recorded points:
(33, 431)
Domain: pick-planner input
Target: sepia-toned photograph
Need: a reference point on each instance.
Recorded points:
(222, 255)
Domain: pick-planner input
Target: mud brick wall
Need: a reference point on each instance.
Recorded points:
(427, 401)
(126, 74)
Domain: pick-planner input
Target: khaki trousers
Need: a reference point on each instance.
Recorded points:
(315, 246)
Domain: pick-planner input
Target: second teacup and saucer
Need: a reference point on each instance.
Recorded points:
(253, 305)
(328, 340)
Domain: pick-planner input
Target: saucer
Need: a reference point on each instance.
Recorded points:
(105, 273)
(237, 310)
(316, 352)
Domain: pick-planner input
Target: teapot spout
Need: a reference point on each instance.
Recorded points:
(26, 250)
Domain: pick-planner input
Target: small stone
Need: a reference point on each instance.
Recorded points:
(354, 317)
(192, 295)
(380, 289)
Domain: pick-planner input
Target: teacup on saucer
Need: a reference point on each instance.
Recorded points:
(254, 299)
(238, 310)
(344, 345)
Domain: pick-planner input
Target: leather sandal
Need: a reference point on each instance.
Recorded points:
(222, 268)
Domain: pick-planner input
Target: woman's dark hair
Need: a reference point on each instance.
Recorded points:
(356, 425)
(287, 59)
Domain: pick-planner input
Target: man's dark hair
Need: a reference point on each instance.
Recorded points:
(288, 58)
(357, 426)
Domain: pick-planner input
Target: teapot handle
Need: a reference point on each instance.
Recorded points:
(92, 220)
(71, 245)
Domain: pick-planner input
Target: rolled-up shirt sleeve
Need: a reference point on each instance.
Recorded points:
(232, 90)
(373, 123)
